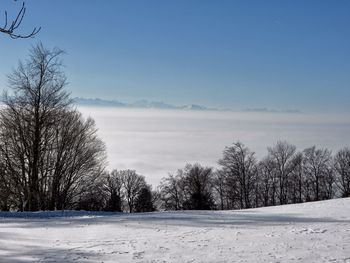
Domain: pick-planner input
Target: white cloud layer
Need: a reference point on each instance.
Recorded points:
(158, 142)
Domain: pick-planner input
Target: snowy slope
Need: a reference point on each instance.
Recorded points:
(312, 232)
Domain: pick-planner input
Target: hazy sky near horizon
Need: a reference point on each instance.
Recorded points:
(228, 54)
(158, 142)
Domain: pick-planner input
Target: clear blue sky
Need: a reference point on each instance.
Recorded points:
(236, 54)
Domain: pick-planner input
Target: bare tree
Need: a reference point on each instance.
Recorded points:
(198, 182)
(295, 182)
(114, 187)
(191, 188)
(239, 165)
(317, 167)
(172, 191)
(48, 150)
(342, 167)
(268, 181)
(76, 161)
(133, 184)
(37, 97)
(283, 155)
(10, 27)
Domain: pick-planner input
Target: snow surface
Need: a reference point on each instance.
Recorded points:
(311, 232)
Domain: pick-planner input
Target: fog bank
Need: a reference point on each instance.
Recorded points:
(156, 142)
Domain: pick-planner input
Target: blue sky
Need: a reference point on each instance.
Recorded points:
(235, 54)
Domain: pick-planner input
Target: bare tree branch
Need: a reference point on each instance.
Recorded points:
(10, 28)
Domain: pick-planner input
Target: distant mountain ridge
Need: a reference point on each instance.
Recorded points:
(145, 104)
(271, 110)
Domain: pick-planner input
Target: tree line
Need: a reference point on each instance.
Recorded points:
(283, 176)
(52, 159)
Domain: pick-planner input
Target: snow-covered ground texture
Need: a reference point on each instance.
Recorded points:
(311, 232)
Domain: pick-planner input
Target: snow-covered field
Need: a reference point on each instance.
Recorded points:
(312, 232)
